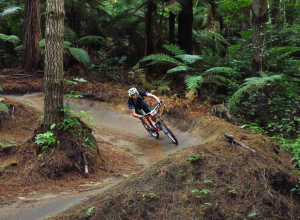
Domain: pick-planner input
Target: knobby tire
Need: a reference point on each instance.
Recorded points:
(167, 131)
(154, 133)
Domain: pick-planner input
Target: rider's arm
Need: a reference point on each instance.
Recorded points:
(153, 96)
(134, 114)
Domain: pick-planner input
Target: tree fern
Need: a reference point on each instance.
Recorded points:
(162, 58)
(174, 49)
(178, 69)
(209, 76)
(81, 55)
(69, 34)
(193, 82)
(189, 59)
(10, 38)
(252, 84)
(11, 11)
(175, 8)
(91, 39)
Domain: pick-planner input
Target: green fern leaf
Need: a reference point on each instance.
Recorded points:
(162, 58)
(81, 55)
(193, 82)
(10, 38)
(19, 48)
(69, 34)
(187, 58)
(3, 107)
(214, 70)
(10, 11)
(252, 84)
(91, 39)
(175, 8)
(175, 49)
(178, 69)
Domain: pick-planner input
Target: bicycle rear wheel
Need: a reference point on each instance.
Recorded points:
(154, 133)
(167, 131)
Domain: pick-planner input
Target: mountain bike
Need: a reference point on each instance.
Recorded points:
(158, 124)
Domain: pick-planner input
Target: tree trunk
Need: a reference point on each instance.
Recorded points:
(172, 28)
(290, 12)
(32, 36)
(259, 17)
(185, 27)
(274, 11)
(246, 20)
(54, 63)
(151, 8)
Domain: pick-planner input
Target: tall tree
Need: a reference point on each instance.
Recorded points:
(185, 26)
(54, 63)
(32, 36)
(259, 17)
(149, 47)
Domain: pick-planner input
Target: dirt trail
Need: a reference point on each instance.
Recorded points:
(112, 120)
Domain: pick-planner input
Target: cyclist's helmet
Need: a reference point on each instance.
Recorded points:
(132, 91)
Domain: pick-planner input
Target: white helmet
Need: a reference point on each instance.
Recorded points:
(132, 91)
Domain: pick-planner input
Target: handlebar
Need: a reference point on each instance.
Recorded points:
(152, 111)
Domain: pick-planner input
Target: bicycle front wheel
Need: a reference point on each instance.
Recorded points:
(154, 133)
(167, 131)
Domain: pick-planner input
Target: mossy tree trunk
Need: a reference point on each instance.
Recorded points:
(32, 36)
(259, 17)
(54, 35)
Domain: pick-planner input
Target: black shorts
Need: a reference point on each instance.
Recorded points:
(142, 106)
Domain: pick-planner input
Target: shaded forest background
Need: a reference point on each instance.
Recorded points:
(242, 55)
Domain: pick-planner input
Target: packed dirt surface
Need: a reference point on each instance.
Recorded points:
(147, 178)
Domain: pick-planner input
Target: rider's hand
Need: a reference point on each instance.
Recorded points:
(159, 102)
(141, 117)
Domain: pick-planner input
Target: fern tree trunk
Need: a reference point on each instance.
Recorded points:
(54, 63)
(259, 17)
(185, 26)
(32, 36)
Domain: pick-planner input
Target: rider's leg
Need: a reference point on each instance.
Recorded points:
(144, 120)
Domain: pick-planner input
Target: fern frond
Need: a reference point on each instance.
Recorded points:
(216, 79)
(10, 38)
(279, 53)
(174, 49)
(10, 11)
(3, 107)
(162, 58)
(69, 34)
(178, 69)
(81, 55)
(91, 39)
(187, 58)
(67, 45)
(175, 8)
(252, 84)
(19, 48)
(193, 82)
(226, 70)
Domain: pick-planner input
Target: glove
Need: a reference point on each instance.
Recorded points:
(159, 102)
(141, 117)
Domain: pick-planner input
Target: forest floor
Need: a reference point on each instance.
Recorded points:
(215, 179)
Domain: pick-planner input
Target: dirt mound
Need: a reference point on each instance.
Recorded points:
(215, 180)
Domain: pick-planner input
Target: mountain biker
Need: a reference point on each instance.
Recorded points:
(136, 103)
